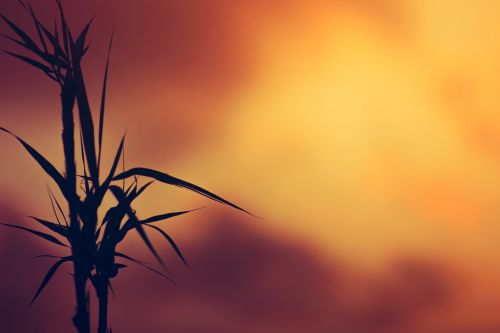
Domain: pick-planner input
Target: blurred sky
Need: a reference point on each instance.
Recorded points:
(368, 129)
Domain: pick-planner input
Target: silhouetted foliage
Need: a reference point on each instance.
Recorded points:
(92, 240)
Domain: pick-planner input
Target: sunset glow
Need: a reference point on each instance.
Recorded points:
(367, 130)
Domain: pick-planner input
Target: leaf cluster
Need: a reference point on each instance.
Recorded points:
(93, 241)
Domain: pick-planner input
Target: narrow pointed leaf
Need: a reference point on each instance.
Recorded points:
(24, 5)
(171, 242)
(132, 188)
(131, 224)
(85, 179)
(61, 57)
(54, 209)
(103, 100)
(47, 256)
(49, 276)
(123, 255)
(84, 112)
(137, 193)
(58, 206)
(80, 41)
(54, 41)
(43, 235)
(45, 56)
(122, 199)
(85, 50)
(143, 264)
(123, 170)
(109, 178)
(64, 27)
(14, 40)
(31, 45)
(28, 43)
(131, 191)
(166, 216)
(31, 62)
(87, 124)
(148, 243)
(36, 22)
(167, 179)
(38, 26)
(60, 230)
(44, 163)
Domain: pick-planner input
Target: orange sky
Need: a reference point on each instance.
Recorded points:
(362, 131)
(369, 127)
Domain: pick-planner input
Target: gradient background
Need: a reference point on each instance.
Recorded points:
(365, 132)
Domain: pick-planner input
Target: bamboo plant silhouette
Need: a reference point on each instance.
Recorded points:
(91, 240)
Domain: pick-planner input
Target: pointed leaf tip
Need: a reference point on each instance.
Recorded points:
(49, 276)
(103, 99)
(44, 163)
(40, 234)
(171, 242)
(167, 179)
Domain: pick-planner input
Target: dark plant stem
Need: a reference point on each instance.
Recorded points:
(68, 135)
(102, 295)
(92, 240)
(81, 320)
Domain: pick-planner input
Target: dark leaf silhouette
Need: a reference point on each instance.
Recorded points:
(47, 256)
(133, 192)
(60, 230)
(86, 179)
(27, 42)
(54, 199)
(54, 41)
(54, 209)
(109, 178)
(36, 23)
(80, 41)
(142, 263)
(64, 26)
(14, 40)
(122, 199)
(171, 242)
(103, 100)
(49, 276)
(167, 179)
(30, 44)
(166, 216)
(43, 235)
(34, 63)
(92, 240)
(86, 122)
(42, 161)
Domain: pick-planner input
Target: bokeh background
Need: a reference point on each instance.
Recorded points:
(366, 133)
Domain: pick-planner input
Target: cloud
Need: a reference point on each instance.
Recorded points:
(179, 62)
(241, 280)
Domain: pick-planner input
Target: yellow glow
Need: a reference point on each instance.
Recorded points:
(348, 135)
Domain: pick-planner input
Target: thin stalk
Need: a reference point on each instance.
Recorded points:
(81, 319)
(89, 249)
(102, 295)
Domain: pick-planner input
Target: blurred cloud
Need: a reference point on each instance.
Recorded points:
(368, 127)
(181, 63)
(245, 280)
